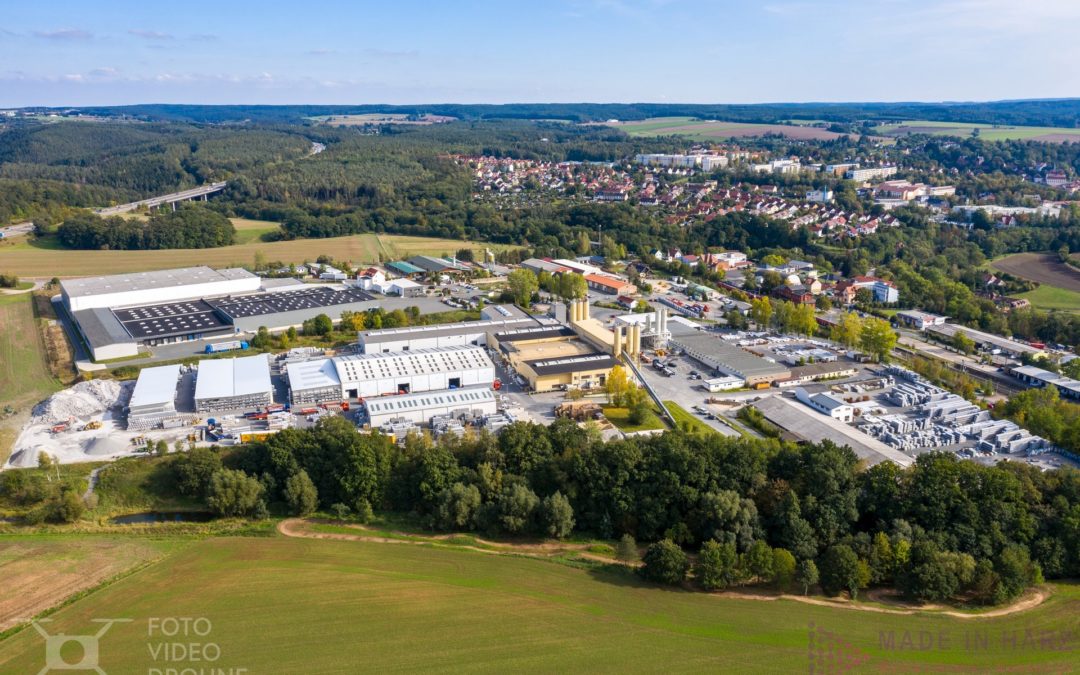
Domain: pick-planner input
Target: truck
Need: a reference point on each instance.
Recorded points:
(231, 345)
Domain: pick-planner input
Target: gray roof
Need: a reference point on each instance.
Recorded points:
(314, 374)
(732, 356)
(101, 328)
(137, 281)
(426, 400)
(572, 364)
(443, 330)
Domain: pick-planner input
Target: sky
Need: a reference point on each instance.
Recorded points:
(116, 52)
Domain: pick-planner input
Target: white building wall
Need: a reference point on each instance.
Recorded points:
(420, 383)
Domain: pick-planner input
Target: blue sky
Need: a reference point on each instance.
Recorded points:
(57, 52)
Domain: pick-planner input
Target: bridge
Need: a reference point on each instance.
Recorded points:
(201, 192)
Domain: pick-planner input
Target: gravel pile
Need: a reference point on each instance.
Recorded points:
(83, 400)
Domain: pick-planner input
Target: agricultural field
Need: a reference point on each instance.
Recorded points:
(44, 258)
(277, 604)
(25, 377)
(1059, 283)
(40, 572)
(712, 130)
(987, 132)
(380, 118)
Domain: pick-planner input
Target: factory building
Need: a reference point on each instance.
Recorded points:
(419, 408)
(154, 398)
(729, 359)
(988, 341)
(141, 288)
(116, 315)
(442, 335)
(383, 373)
(578, 372)
(233, 384)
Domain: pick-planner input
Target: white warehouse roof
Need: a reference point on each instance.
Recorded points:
(456, 398)
(315, 374)
(155, 386)
(362, 367)
(224, 378)
(141, 281)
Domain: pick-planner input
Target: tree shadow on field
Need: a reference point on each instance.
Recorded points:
(618, 574)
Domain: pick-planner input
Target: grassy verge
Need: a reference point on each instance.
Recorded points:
(620, 417)
(686, 421)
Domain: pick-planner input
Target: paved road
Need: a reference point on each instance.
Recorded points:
(17, 229)
(171, 198)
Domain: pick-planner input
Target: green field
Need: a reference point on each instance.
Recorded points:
(25, 378)
(987, 132)
(282, 605)
(1052, 297)
(687, 421)
(45, 258)
(713, 130)
(620, 417)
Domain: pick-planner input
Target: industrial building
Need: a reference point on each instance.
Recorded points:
(442, 335)
(580, 372)
(116, 315)
(987, 341)
(1037, 377)
(729, 359)
(419, 408)
(154, 398)
(381, 373)
(233, 384)
(142, 288)
(917, 319)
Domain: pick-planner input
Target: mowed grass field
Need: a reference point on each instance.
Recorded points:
(987, 132)
(281, 605)
(44, 258)
(706, 130)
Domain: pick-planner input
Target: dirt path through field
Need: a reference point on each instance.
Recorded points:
(295, 527)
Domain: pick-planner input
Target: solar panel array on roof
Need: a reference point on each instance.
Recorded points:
(288, 301)
(169, 319)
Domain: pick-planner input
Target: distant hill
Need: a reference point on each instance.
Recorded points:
(1035, 112)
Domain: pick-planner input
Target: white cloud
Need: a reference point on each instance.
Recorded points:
(150, 34)
(72, 34)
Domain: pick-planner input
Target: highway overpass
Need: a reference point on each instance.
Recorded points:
(201, 192)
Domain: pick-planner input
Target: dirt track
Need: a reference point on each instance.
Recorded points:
(1041, 267)
(294, 527)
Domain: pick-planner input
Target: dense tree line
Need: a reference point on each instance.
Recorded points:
(190, 226)
(941, 528)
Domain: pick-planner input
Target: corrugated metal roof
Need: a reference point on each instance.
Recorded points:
(464, 397)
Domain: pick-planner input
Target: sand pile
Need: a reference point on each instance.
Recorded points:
(83, 400)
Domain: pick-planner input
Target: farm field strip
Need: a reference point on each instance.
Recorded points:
(300, 605)
(44, 259)
(988, 132)
(1041, 267)
(714, 129)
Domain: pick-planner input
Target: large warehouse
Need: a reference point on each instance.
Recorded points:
(233, 384)
(729, 359)
(154, 397)
(117, 314)
(142, 288)
(442, 335)
(418, 408)
(404, 372)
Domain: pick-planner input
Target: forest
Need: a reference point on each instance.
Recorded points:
(190, 226)
(939, 530)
